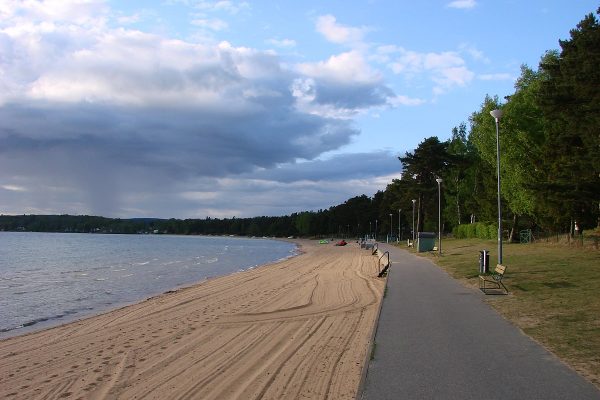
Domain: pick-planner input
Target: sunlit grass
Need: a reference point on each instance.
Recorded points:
(554, 294)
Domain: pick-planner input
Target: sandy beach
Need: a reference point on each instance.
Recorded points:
(297, 329)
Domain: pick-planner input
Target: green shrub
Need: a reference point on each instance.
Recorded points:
(492, 231)
(478, 230)
(481, 230)
(460, 231)
(471, 231)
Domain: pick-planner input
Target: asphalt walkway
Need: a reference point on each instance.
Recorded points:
(437, 339)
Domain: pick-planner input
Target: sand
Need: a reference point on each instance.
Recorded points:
(297, 329)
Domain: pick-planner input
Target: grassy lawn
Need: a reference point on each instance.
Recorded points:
(554, 294)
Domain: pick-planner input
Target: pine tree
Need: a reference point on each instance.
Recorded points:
(570, 101)
(429, 161)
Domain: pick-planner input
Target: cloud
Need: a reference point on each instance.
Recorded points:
(340, 87)
(13, 188)
(210, 17)
(334, 32)
(119, 122)
(230, 7)
(401, 100)
(293, 187)
(496, 77)
(345, 67)
(335, 169)
(446, 69)
(283, 43)
(462, 4)
(81, 12)
(215, 24)
(475, 53)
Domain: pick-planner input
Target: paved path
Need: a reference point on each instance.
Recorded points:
(437, 339)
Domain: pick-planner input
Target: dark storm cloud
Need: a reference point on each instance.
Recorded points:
(121, 122)
(186, 142)
(338, 168)
(358, 96)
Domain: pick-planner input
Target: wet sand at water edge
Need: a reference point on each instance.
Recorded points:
(297, 329)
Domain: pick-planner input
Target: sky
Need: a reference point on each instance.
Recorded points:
(194, 109)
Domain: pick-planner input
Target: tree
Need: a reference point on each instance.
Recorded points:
(457, 185)
(303, 223)
(483, 137)
(429, 161)
(569, 187)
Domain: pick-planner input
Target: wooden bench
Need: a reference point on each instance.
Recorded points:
(381, 261)
(493, 281)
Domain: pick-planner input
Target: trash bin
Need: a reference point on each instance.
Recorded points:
(425, 241)
(484, 261)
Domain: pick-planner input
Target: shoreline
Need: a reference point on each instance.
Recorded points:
(71, 316)
(267, 330)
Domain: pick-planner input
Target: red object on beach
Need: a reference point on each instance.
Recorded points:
(341, 243)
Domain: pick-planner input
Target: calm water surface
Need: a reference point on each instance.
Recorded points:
(50, 278)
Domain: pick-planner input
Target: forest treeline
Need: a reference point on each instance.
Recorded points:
(550, 168)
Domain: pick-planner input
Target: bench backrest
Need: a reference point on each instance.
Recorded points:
(500, 269)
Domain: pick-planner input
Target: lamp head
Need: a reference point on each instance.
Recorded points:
(438, 180)
(496, 114)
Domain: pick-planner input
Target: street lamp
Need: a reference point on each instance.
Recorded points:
(375, 230)
(399, 226)
(413, 231)
(497, 114)
(370, 231)
(391, 225)
(439, 182)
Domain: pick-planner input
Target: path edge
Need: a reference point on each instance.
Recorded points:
(367, 361)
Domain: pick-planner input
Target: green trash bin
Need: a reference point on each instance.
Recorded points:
(425, 241)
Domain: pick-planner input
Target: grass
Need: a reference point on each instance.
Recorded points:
(373, 349)
(554, 294)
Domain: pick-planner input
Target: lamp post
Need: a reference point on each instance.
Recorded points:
(439, 182)
(375, 230)
(391, 225)
(370, 230)
(413, 230)
(497, 114)
(399, 225)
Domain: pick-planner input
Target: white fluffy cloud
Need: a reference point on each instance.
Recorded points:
(215, 24)
(335, 32)
(446, 69)
(340, 87)
(345, 67)
(80, 12)
(462, 4)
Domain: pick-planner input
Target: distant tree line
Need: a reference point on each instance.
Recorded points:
(550, 169)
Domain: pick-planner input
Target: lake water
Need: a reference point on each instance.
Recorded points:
(50, 278)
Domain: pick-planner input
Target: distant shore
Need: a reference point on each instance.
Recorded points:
(299, 328)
